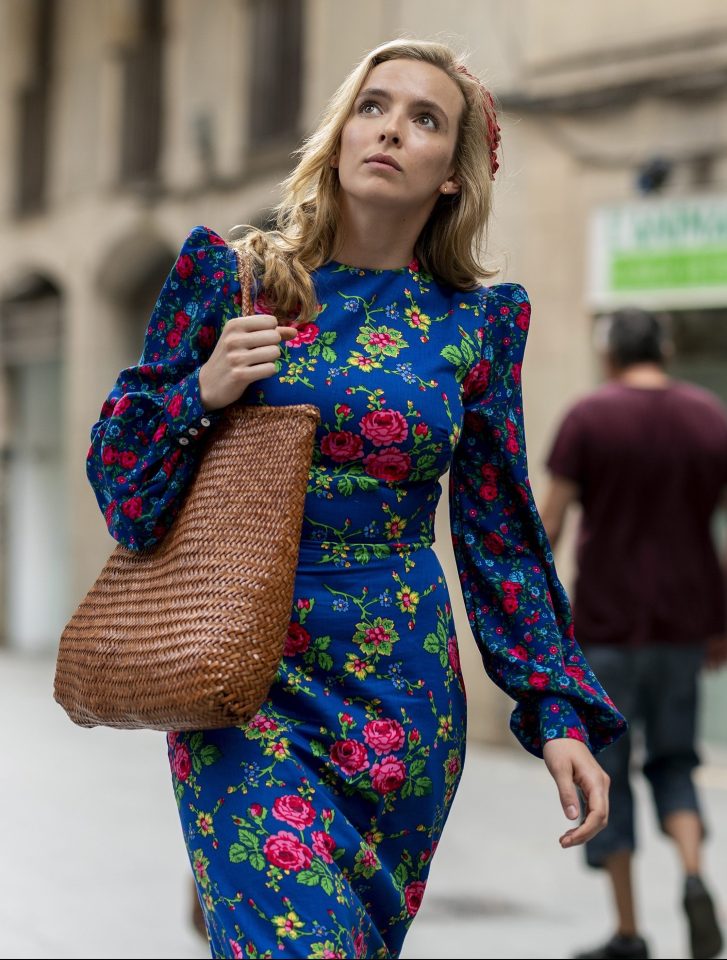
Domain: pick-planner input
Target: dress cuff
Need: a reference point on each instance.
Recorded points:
(559, 718)
(185, 417)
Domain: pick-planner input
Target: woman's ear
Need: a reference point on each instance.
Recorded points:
(334, 161)
(450, 187)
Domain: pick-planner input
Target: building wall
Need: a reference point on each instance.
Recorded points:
(587, 95)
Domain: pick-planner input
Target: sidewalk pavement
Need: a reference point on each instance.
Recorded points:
(92, 862)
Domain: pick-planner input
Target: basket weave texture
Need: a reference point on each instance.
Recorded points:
(188, 635)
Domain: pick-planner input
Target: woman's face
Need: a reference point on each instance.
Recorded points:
(406, 115)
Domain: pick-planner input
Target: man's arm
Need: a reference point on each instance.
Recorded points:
(560, 495)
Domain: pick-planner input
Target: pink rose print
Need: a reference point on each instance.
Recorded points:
(388, 774)
(121, 406)
(175, 405)
(132, 508)
(297, 640)
(255, 810)
(477, 380)
(185, 266)
(413, 894)
(518, 651)
(349, 755)
(384, 427)
(523, 317)
(109, 455)
(538, 680)
(160, 432)
(384, 736)
(236, 950)
(359, 946)
(575, 733)
(453, 654)
(510, 592)
(181, 762)
(389, 465)
(516, 371)
(181, 320)
(263, 724)
(128, 459)
(342, 446)
(324, 845)
(578, 673)
(307, 332)
(285, 850)
(206, 336)
(488, 489)
(294, 810)
(494, 543)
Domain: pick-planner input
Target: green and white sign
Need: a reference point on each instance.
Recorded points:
(660, 253)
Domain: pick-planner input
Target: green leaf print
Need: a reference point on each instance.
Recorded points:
(328, 355)
(257, 860)
(401, 875)
(209, 754)
(431, 643)
(423, 786)
(195, 741)
(238, 853)
(248, 839)
(453, 355)
(308, 878)
(317, 748)
(325, 661)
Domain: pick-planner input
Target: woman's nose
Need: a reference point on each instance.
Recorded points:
(390, 135)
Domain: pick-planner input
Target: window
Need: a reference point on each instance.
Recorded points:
(33, 112)
(141, 66)
(276, 50)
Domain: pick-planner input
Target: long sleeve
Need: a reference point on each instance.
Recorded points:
(517, 607)
(145, 446)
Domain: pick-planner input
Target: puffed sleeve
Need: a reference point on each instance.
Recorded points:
(517, 607)
(145, 446)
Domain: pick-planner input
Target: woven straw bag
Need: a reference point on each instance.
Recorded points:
(188, 634)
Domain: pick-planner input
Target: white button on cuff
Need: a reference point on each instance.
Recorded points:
(205, 421)
(184, 441)
(193, 431)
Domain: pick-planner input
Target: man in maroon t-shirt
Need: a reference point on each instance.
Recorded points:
(646, 457)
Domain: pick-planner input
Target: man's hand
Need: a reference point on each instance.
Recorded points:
(571, 764)
(715, 654)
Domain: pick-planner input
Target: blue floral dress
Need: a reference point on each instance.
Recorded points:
(311, 828)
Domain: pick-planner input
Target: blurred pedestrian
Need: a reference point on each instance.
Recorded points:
(311, 829)
(646, 457)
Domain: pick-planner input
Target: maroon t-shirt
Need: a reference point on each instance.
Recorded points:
(651, 466)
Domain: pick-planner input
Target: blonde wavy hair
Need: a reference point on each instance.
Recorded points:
(308, 215)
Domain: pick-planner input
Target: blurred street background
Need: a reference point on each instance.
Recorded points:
(124, 123)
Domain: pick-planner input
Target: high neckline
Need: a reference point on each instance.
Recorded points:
(334, 266)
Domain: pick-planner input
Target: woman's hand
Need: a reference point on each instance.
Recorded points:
(571, 764)
(246, 351)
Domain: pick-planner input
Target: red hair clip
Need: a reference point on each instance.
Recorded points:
(493, 128)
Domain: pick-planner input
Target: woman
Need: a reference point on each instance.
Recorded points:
(311, 828)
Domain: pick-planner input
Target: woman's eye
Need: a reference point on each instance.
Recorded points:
(368, 107)
(427, 120)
